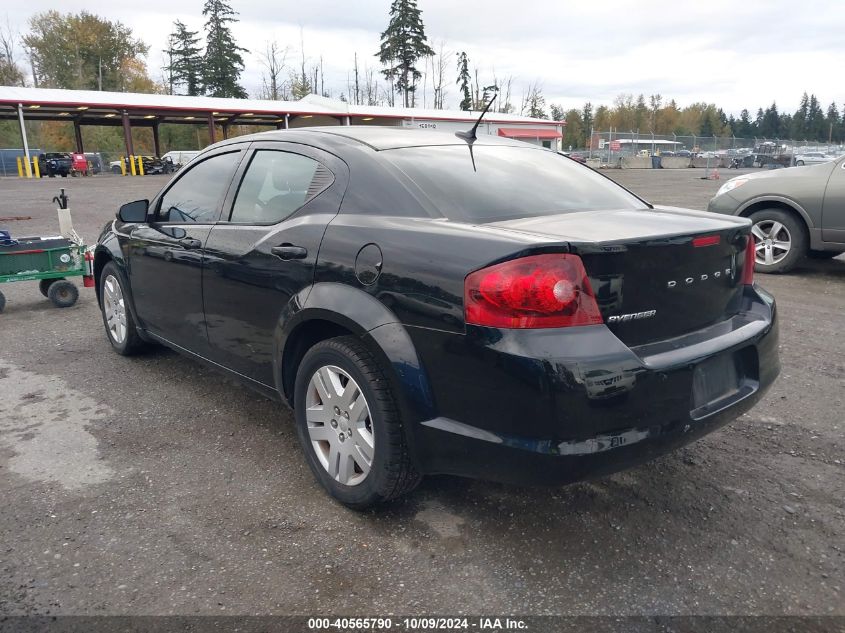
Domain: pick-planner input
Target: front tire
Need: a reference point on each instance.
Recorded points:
(349, 425)
(781, 240)
(799, 163)
(117, 318)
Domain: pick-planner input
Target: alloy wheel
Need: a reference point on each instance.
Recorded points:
(340, 425)
(114, 308)
(772, 242)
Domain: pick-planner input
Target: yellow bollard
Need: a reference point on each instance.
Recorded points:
(140, 166)
(27, 168)
(122, 166)
(20, 167)
(132, 164)
(35, 166)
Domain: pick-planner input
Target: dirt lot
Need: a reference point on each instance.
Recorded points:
(155, 486)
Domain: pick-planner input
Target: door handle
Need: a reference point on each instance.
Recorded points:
(189, 243)
(289, 251)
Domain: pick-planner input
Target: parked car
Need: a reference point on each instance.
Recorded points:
(180, 158)
(796, 212)
(577, 157)
(152, 165)
(429, 305)
(54, 164)
(812, 158)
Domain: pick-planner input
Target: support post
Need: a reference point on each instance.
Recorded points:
(287, 121)
(225, 128)
(156, 140)
(77, 133)
(211, 133)
(25, 142)
(127, 135)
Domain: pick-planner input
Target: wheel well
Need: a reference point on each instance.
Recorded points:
(100, 260)
(777, 204)
(303, 338)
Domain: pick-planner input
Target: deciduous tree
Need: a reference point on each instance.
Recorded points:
(81, 51)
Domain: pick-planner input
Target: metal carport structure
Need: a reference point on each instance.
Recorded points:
(139, 110)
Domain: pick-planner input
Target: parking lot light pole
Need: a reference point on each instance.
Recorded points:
(25, 142)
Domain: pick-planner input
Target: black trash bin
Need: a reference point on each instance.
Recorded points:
(656, 162)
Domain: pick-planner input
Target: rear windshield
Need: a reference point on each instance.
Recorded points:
(507, 182)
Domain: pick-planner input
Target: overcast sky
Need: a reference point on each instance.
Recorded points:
(734, 54)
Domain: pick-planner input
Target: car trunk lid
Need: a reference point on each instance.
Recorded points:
(656, 274)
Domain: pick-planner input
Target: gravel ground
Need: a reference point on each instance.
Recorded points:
(153, 485)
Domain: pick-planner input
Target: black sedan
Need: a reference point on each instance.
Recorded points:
(429, 304)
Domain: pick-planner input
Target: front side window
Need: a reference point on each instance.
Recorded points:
(196, 197)
(276, 185)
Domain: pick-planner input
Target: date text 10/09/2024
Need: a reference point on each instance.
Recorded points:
(418, 624)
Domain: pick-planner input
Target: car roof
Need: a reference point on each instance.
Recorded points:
(381, 138)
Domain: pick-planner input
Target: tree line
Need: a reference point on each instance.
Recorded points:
(628, 114)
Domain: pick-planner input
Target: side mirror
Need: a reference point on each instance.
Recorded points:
(134, 211)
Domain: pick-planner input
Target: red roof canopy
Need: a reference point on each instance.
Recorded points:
(529, 132)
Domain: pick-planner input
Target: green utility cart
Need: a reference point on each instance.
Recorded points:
(50, 261)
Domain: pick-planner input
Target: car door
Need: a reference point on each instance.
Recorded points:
(263, 251)
(166, 254)
(833, 207)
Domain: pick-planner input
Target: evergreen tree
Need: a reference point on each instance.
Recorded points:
(833, 123)
(464, 81)
(816, 126)
(222, 64)
(185, 63)
(403, 43)
(587, 116)
(799, 119)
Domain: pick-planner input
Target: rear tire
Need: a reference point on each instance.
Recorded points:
(44, 285)
(62, 293)
(337, 434)
(117, 317)
(781, 240)
(800, 163)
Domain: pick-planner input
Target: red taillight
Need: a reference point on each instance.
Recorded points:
(707, 240)
(539, 291)
(750, 257)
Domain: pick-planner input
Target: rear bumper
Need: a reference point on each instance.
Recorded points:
(556, 406)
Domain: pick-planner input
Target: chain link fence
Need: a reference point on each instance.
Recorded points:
(627, 149)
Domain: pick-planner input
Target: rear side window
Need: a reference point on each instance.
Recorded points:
(276, 184)
(506, 182)
(196, 197)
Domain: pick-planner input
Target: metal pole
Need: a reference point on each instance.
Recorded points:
(591, 141)
(127, 135)
(287, 121)
(211, 134)
(25, 142)
(77, 133)
(156, 140)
